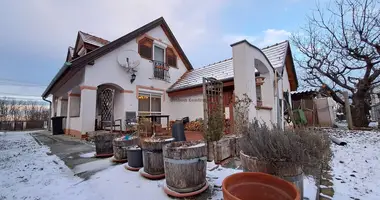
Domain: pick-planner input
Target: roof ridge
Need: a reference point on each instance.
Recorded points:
(274, 44)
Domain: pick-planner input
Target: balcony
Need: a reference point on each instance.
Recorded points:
(161, 70)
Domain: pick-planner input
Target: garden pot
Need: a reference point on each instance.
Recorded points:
(284, 170)
(120, 145)
(258, 186)
(134, 155)
(185, 166)
(153, 159)
(103, 144)
(211, 151)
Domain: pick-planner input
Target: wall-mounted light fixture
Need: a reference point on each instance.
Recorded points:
(133, 77)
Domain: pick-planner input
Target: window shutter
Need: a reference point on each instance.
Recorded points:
(145, 48)
(171, 58)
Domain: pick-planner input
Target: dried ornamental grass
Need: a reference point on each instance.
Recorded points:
(307, 149)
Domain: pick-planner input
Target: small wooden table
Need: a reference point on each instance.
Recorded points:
(153, 118)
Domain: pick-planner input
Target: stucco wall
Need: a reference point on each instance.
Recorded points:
(74, 106)
(75, 123)
(186, 106)
(264, 116)
(107, 70)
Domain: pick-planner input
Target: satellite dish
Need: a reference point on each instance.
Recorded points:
(129, 60)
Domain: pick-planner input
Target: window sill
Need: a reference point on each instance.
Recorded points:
(263, 108)
(154, 78)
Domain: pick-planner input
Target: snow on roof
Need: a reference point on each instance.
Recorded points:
(224, 69)
(91, 39)
(303, 91)
(276, 54)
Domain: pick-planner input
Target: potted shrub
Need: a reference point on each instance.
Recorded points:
(214, 131)
(284, 153)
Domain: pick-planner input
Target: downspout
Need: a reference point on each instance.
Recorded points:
(48, 122)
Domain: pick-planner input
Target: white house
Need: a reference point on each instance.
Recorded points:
(157, 78)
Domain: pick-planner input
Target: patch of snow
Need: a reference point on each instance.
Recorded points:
(27, 172)
(93, 166)
(309, 188)
(373, 124)
(355, 167)
(87, 155)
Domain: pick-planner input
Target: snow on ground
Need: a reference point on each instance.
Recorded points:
(356, 166)
(87, 155)
(27, 172)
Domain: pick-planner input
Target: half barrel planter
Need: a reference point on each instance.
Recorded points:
(103, 144)
(120, 148)
(153, 159)
(284, 170)
(185, 168)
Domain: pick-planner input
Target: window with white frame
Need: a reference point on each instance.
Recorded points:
(149, 104)
(159, 53)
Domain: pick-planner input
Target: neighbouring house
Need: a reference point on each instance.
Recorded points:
(146, 72)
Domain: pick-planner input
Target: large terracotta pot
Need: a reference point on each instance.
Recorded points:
(258, 186)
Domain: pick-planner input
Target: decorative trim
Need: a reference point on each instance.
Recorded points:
(74, 95)
(148, 88)
(263, 108)
(126, 91)
(74, 133)
(85, 87)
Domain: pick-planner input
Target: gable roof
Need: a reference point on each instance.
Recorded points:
(91, 39)
(224, 70)
(82, 61)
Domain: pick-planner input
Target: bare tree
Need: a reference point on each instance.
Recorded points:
(340, 50)
(3, 109)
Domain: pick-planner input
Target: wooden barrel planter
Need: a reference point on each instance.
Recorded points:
(152, 155)
(120, 147)
(135, 160)
(185, 166)
(284, 170)
(103, 144)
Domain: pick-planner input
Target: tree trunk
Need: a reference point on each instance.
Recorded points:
(360, 108)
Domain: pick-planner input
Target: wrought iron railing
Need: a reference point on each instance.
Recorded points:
(161, 70)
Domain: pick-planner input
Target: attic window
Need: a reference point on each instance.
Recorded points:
(171, 58)
(145, 46)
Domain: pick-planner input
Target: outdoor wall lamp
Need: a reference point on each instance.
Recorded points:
(133, 77)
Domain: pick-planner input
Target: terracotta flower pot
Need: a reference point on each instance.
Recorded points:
(258, 186)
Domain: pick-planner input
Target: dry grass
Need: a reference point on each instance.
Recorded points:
(303, 148)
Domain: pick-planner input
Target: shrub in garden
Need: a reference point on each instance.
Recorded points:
(304, 148)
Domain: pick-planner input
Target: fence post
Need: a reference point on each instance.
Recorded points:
(348, 110)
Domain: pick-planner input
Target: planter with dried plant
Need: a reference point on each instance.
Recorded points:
(214, 131)
(284, 153)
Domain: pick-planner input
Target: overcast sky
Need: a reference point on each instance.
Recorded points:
(35, 34)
